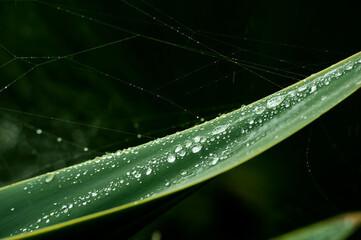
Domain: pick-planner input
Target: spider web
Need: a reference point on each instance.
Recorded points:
(82, 79)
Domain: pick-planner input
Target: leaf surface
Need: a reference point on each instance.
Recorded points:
(336, 228)
(130, 184)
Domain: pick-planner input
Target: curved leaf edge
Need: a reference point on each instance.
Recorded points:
(347, 223)
(182, 187)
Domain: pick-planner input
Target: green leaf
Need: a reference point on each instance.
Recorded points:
(120, 188)
(336, 228)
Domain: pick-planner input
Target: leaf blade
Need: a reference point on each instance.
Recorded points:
(138, 175)
(336, 228)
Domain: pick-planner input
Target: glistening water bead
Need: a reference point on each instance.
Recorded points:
(219, 129)
(196, 148)
(313, 88)
(259, 109)
(149, 171)
(275, 101)
(171, 158)
(214, 160)
(178, 148)
(49, 177)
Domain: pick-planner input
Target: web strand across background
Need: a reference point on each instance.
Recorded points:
(82, 79)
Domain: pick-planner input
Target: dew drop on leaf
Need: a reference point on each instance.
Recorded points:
(259, 110)
(136, 174)
(203, 139)
(188, 143)
(302, 88)
(196, 148)
(171, 158)
(178, 148)
(197, 139)
(313, 88)
(182, 153)
(349, 67)
(214, 160)
(49, 177)
(275, 101)
(219, 129)
(149, 171)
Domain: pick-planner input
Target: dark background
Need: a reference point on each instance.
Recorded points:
(106, 99)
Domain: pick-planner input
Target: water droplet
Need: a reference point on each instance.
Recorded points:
(203, 139)
(12, 209)
(337, 74)
(149, 171)
(251, 121)
(86, 149)
(139, 135)
(59, 139)
(182, 153)
(275, 101)
(214, 160)
(39, 131)
(178, 148)
(302, 88)
(292, 93)
(137, 174)
(188, 143)
(49, 177)
(349, 67)
(259, 110)
(323, 98)
(196, 148)
(313, 88)
(171, 158)
(219, 129)
(183, 172)
(197, 139)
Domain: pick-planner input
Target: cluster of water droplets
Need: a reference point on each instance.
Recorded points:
(191, 153)
(240, 129)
